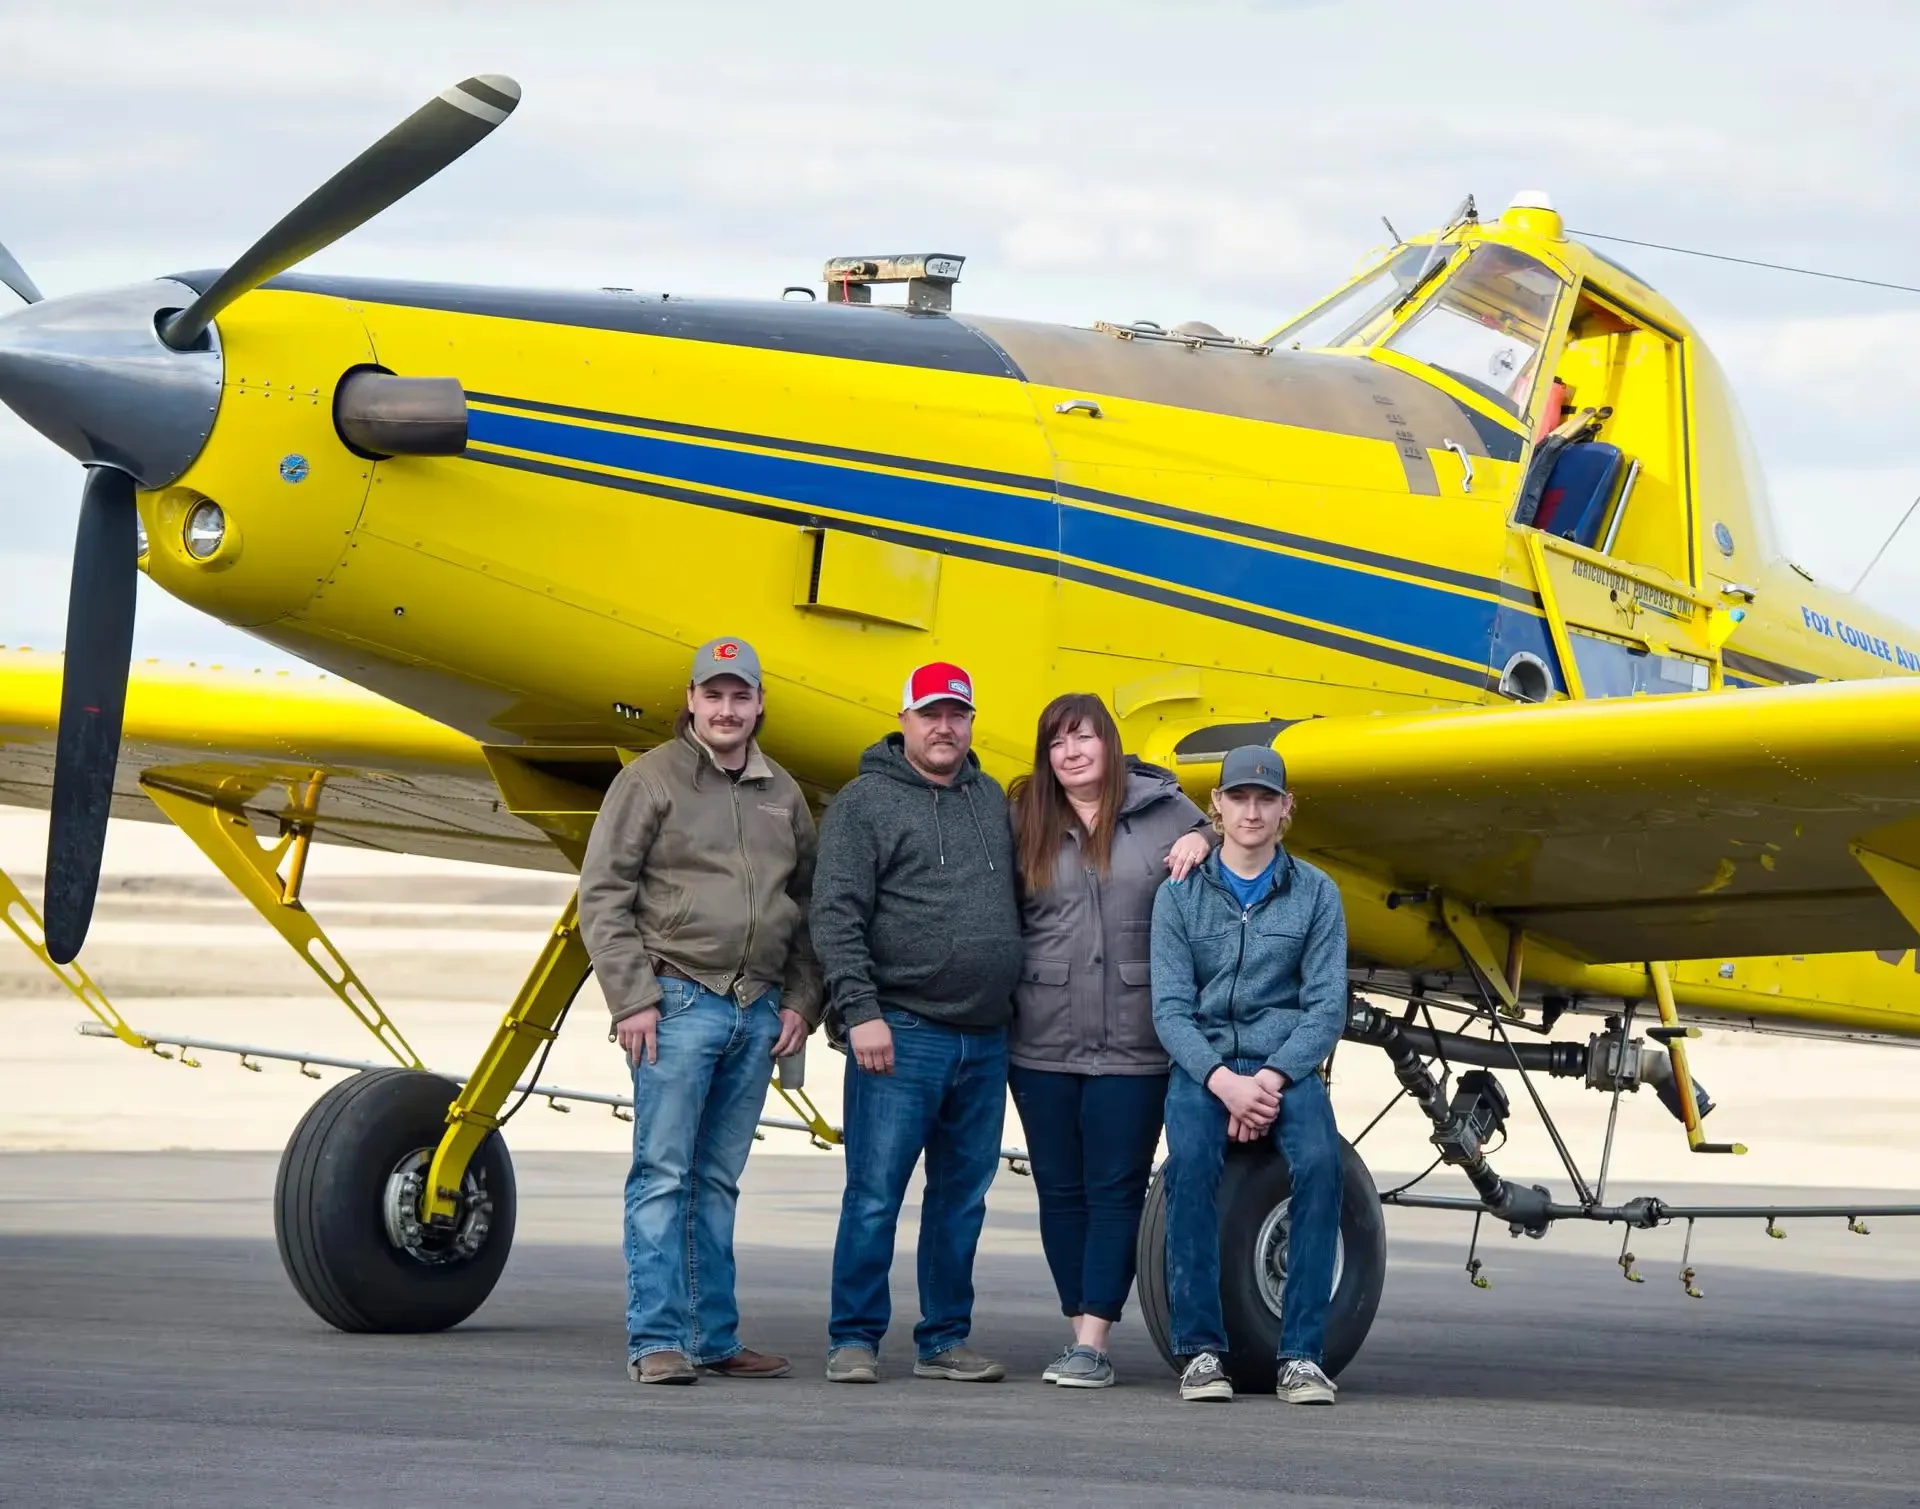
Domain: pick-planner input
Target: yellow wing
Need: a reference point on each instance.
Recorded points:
(389, 778)
(1781, 821)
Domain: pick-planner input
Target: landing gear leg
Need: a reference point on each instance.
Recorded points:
(395, 1203)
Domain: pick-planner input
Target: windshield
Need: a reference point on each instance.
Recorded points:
(1486, 326)
(1338, 321)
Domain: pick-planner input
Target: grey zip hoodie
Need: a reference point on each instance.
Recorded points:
(913, 895)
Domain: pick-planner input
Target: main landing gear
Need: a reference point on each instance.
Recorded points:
(395, 1204)
(346, 1208)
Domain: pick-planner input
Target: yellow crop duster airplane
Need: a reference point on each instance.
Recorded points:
(1478, 543)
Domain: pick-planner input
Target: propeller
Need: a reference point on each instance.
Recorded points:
(434, 136)
(100, 609)
(93, 701)
(14, 276)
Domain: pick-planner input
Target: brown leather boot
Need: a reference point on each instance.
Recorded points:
(747, 1364)
(662, 1367)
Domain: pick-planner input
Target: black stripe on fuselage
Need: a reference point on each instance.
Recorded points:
(1315, 634)
(855, 332)
(1773, 670)
(1260, 534)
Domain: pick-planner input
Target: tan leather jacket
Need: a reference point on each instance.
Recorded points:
(707, 874)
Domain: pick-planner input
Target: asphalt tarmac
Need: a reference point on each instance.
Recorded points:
(152, 1352)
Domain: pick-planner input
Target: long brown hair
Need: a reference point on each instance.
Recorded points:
(1042, 815)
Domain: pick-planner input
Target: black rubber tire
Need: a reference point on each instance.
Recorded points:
(1254, 1180)
(327, 1214)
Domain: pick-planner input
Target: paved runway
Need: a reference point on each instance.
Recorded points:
(151, 1352)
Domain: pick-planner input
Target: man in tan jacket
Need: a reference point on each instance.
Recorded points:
(693, 902)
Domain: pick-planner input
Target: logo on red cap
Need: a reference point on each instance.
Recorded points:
(939, 682)
(727, 651)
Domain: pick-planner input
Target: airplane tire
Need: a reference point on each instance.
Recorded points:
(1254, 1184)
(344, 1203)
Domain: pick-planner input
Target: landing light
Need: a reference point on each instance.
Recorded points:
(206, 529)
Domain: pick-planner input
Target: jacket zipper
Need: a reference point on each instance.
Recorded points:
(746, 864)
(1233, 990)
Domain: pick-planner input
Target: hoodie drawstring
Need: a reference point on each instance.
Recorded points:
(939, 833)
(977, 828)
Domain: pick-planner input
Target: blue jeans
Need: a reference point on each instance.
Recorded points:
(1196, 1145)
(694, 1112)
(947, 1098)
(1090, 1139)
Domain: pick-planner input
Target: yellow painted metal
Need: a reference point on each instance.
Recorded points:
(823, 1132)
(1486, 944)
(1900, 881)
(1556, 623)
(227, 838)
(528, 608)
(1662, 980)
(532, 1020)
(878, 580)
(24, 921)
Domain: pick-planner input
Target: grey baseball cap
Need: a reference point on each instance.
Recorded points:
(726, 657)
(1253, 765)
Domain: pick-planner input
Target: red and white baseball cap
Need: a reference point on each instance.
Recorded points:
(939, 681)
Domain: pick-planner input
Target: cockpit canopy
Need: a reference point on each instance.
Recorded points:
(1484, 326)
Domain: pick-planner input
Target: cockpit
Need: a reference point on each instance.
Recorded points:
(1485, 327)
(1578, 391)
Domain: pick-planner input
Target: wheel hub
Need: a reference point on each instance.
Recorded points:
(1270, 1255)
(424, 1242)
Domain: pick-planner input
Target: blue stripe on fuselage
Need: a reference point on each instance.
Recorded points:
(1007, 518)
(1432, 618)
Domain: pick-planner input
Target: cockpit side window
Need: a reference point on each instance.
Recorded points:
(1486, 327)
(1341, 319)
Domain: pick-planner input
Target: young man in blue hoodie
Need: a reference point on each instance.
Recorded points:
(918, 932)
(1249, 995)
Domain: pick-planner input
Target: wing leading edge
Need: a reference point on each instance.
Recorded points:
(389, 778)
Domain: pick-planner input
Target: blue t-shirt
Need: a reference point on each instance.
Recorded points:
(1246, 891)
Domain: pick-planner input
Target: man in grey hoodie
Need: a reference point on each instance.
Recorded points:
(916, 926)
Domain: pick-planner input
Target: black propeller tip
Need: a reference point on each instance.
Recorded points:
(93, 700)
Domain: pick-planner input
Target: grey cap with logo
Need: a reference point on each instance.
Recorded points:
(726, 657)
(1253, 765)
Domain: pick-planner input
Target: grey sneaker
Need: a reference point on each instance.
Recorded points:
(1052, 1374)
(959, 1365)
(1083, 1367)
(1303, 1383)
(1205, 1379)
(852, 1365)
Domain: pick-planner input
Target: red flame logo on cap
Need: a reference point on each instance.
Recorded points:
(727, 651)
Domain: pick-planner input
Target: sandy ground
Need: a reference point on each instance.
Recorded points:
(444, 945)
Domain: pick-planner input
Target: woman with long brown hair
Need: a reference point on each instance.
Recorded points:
(1095, 831)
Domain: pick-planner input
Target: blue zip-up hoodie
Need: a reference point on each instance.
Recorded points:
(1266, 983)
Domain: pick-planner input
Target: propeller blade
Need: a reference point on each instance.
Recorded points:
(93, 701)
(407, 156)
(14, 276)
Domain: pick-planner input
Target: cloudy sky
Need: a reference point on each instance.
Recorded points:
(1224, 161)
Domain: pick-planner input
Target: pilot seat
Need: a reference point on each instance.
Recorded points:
(1573, 505)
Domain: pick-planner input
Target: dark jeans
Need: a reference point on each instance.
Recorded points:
(947, 1098)
(1196, 1146)
(1090, 1140)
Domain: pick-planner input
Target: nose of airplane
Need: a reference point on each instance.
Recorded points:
(91, 373)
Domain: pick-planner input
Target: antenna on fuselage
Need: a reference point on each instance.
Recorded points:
(1885, 545)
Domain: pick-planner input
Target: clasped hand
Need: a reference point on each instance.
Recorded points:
(1252, 1101)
